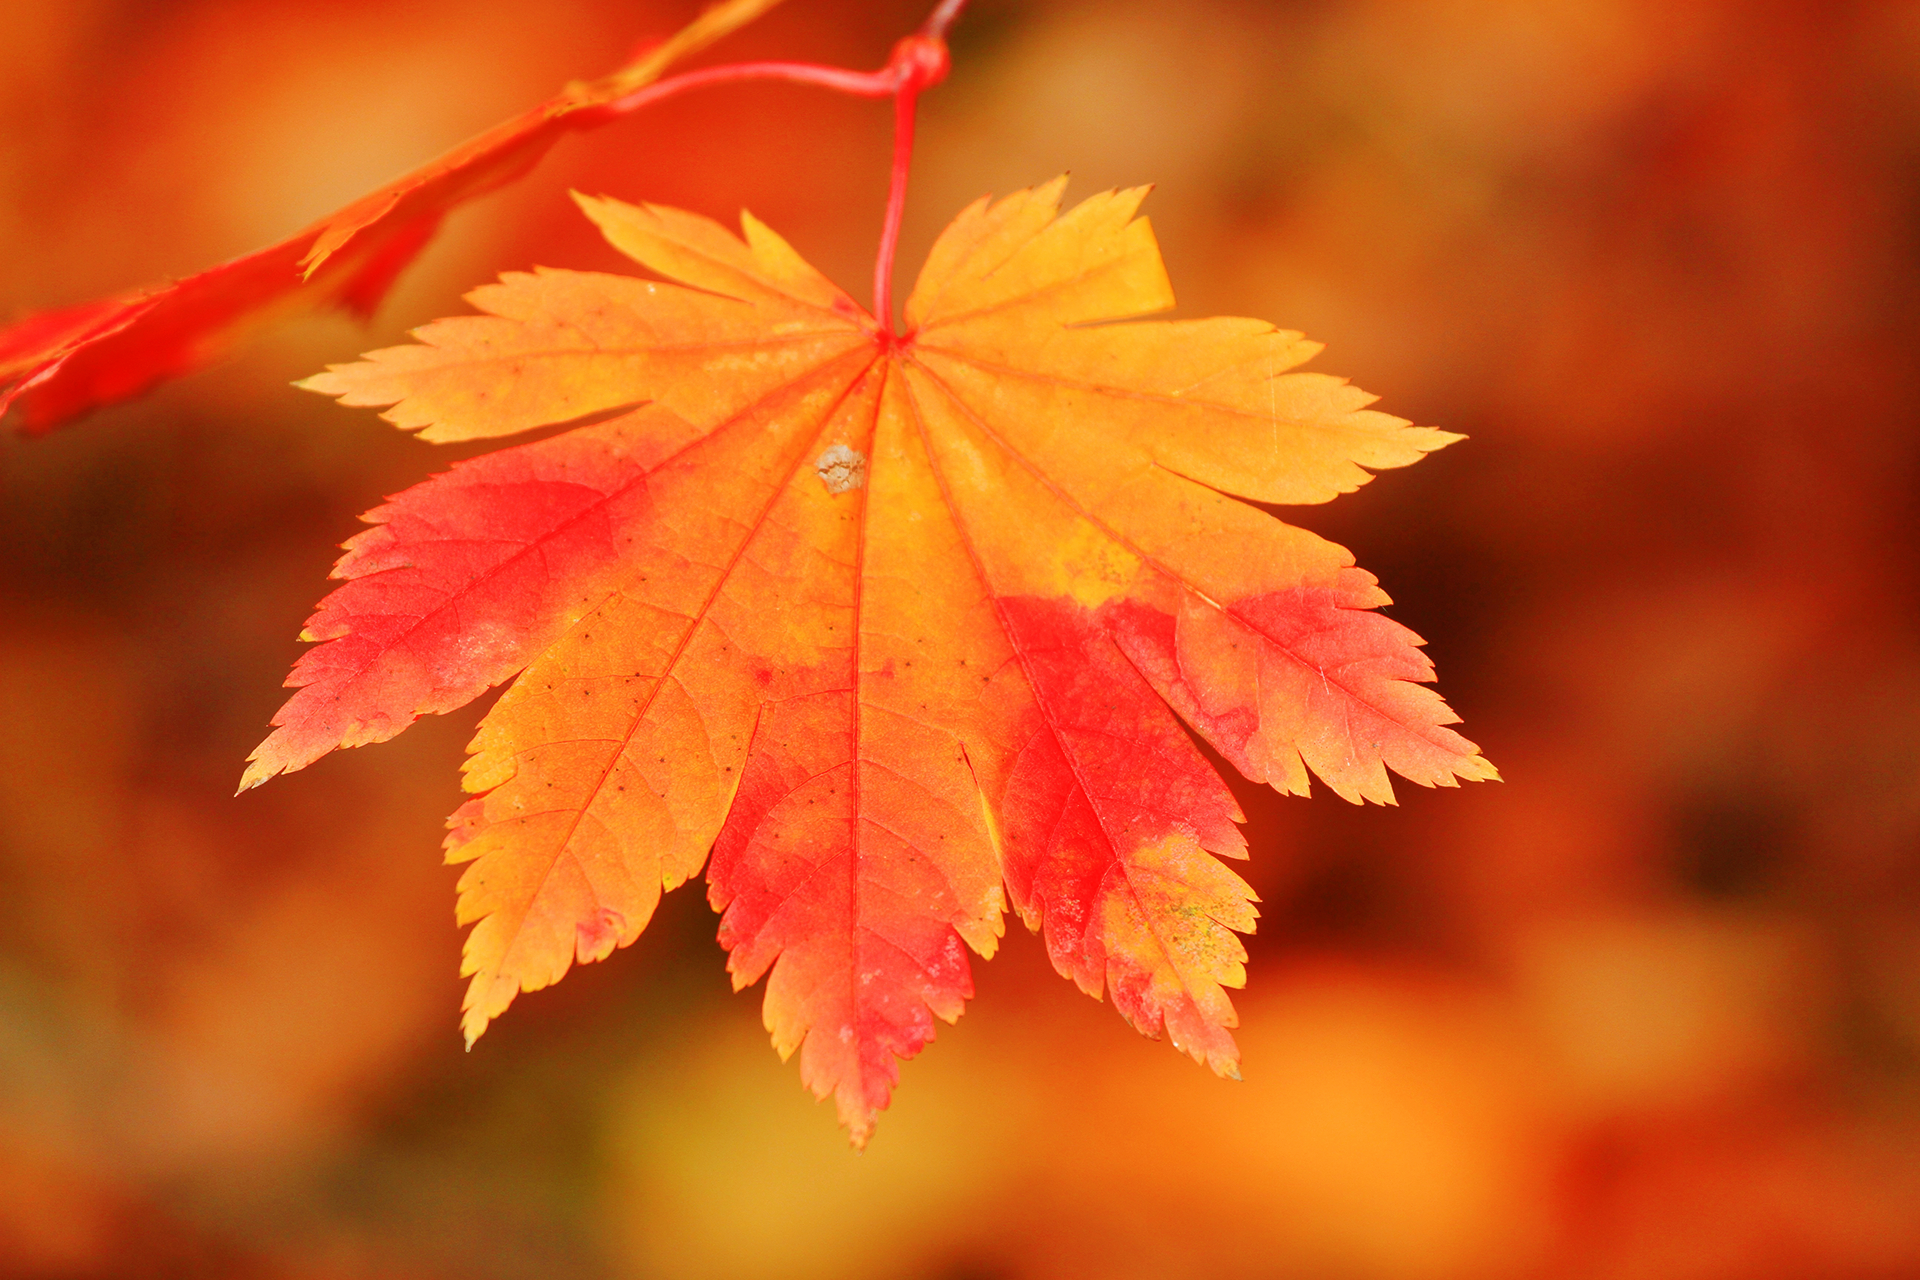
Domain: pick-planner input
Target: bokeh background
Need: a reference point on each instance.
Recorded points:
(1647, 1010)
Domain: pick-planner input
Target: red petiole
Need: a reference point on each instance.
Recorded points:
(918, 63)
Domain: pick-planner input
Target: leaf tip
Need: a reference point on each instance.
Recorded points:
(326, 383)
(859, 1133)
(258, 770)
(473, 1025)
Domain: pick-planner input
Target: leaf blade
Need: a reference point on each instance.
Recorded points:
(908, 629)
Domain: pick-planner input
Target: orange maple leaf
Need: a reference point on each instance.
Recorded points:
(884, 630)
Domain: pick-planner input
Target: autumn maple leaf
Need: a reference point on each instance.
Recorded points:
(886, 630)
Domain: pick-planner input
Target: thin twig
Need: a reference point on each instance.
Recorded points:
(721, 20)
(942, 18)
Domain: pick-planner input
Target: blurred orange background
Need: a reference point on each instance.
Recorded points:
(1647, 1010)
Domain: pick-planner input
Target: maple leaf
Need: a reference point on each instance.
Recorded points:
(886, 631)
(59, 364)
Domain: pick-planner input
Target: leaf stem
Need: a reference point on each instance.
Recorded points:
(918, 62)
(921, 61)
(905, 100)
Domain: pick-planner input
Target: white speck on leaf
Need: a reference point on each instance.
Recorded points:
(841, 468)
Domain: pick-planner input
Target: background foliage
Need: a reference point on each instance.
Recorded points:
(1651, 1008)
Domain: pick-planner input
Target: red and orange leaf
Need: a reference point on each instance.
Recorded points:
(60, 364)
(894, 630)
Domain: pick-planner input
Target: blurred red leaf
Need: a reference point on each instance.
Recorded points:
(60, 364)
